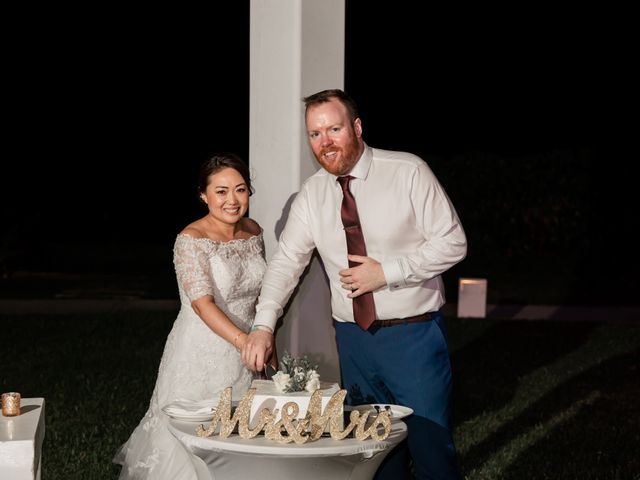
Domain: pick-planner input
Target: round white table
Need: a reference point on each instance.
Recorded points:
(236, 458)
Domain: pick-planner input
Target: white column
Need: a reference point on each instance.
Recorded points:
(296, 48)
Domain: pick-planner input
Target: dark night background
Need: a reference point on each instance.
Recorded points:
(107, 118)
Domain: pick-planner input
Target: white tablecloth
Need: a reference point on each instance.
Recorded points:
(236, 458)
(21, 441)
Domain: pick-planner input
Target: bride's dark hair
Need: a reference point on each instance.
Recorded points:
(219, 162)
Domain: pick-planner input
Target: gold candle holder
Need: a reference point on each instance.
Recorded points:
(11, 404)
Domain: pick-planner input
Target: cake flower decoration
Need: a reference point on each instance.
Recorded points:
(296, 375)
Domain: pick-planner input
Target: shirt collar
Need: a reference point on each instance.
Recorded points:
(361, 168)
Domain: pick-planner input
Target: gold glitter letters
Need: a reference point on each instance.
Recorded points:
(291, 429)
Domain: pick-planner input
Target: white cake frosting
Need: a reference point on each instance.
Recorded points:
(268, 396)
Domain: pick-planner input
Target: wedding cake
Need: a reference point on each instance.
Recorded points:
(296, 381)
(268, 395)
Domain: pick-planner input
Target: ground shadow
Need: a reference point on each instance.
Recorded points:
(586, 428)
(486, 371)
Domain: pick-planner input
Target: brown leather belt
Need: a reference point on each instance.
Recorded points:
(425, 317)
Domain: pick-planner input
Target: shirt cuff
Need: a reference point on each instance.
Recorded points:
(266, 318)
(393, 274)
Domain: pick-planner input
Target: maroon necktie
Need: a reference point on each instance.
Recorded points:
(364, 312)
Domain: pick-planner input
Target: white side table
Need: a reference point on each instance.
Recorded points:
(21, 441)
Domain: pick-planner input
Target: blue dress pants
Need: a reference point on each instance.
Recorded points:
(405, 364)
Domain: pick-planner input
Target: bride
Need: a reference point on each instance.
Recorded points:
(219, 264)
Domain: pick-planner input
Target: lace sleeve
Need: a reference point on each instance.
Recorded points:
(192, 267)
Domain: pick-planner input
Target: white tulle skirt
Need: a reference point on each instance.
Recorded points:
(152, 452)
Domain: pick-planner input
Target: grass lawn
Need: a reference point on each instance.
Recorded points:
(532, 400)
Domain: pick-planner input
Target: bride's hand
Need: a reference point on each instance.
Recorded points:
(257, 349)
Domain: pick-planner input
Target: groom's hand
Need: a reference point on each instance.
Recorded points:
(368, 276)
(257, 350)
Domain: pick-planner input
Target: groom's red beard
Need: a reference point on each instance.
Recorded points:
(347, 157)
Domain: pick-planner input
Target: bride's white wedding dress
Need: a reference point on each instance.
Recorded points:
(196, 363)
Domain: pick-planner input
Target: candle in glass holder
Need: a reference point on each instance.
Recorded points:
(11, 404)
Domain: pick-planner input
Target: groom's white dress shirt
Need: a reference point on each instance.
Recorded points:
(409, 226)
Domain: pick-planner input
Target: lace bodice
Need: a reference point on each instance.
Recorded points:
(229, 271)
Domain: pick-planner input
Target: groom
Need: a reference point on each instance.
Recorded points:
(411, 235)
